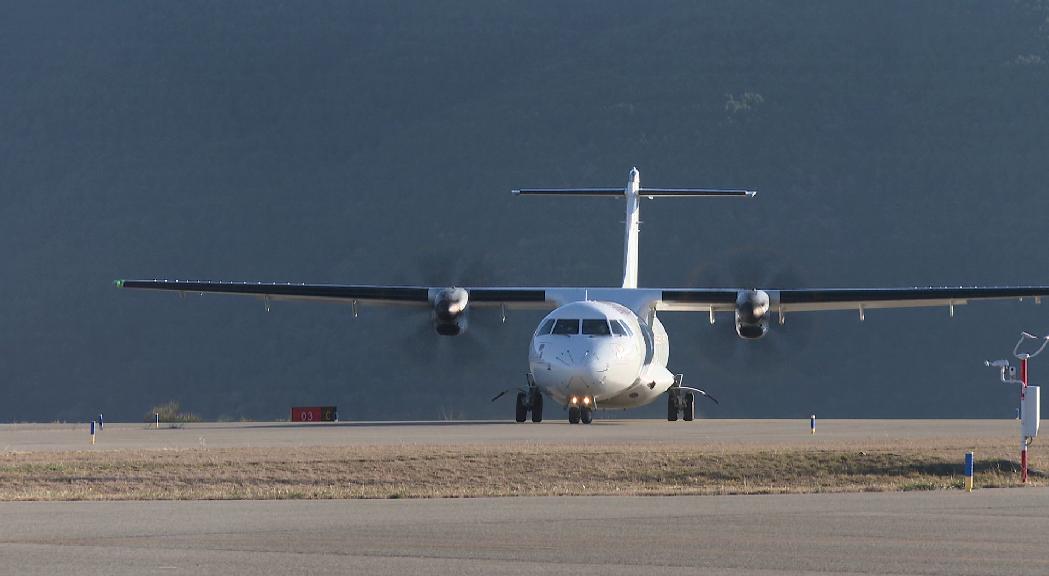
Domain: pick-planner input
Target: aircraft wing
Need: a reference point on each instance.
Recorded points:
(817, 299)
(398, 295)
(807, 300)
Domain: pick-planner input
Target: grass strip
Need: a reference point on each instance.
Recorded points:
(482, 471)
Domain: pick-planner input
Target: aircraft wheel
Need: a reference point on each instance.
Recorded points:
(586, 415)
(672, 408)
(522, 407)
(537, 407)
(688, 411)
(573, 414)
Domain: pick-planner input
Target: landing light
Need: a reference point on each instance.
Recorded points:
(586, 401)
(573, 400)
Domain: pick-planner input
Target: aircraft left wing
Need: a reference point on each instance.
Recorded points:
(421, 296)
(818, 299)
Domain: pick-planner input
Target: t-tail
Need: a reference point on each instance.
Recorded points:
(633, 192)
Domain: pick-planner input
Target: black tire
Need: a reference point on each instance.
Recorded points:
(537, 407)
(688, 411)
(586, 415)
(522, 407)
(573, 414)
(672, 408)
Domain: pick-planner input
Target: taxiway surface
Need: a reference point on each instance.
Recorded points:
(988, 532)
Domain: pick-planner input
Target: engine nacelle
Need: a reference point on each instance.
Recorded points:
(450, 307)
(752, 314)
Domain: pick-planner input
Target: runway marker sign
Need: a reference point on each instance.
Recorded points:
(314, 414)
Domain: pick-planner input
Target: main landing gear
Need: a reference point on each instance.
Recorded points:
(680, 402)
(531, 401)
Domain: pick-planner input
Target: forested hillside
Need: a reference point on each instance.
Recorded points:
(892, 144)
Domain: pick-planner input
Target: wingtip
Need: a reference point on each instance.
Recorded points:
(118, 283)
(515, 192)
(752, 193)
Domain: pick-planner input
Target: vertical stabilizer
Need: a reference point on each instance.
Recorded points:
(632, 222)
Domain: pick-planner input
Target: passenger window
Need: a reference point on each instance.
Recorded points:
(617, 328)
(565, 326)
(596, 327)
(545, 328)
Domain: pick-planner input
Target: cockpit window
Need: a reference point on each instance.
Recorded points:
(617, 328)
(596, 327)
(566, 326)
(545, 328)
(625, 327)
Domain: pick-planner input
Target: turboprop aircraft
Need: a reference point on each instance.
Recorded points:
(604, 347)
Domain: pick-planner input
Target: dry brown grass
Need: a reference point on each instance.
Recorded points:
(473, 471)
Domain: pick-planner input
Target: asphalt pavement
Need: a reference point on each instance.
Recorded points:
(987, 532)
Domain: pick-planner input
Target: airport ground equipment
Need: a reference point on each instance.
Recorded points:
(1030, 410)
(92, 432)
(812, 424)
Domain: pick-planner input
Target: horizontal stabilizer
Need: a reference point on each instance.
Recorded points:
(613, 192)
(648, 192)
(690, 192)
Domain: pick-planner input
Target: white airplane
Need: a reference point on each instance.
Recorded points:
(605, 348)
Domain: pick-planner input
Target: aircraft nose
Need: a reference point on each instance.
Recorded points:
(581, 369)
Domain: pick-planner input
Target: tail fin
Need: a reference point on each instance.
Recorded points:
(633, 193)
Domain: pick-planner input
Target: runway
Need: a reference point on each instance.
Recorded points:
(727, 434)
(950, 533)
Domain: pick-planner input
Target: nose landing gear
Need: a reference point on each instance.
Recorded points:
(580, 413)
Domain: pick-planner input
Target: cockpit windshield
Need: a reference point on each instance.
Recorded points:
(565, 326)
(545, 328)
(596, 327)
(618, 329)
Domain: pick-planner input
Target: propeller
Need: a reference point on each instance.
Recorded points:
(484, 332)
(750, 267)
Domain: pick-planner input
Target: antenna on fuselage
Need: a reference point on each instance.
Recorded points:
(633, 193)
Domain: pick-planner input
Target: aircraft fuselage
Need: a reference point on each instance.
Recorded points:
(599, 354)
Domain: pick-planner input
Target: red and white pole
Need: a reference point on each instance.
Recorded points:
(1023, 440)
